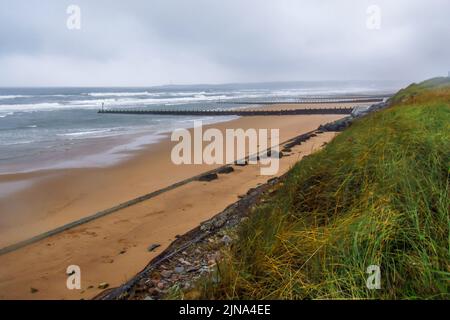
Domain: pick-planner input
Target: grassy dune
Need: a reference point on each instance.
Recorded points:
(377, 195)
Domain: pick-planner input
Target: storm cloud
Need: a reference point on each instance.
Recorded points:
(142, 43)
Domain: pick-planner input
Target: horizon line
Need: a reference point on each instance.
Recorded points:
(201, 84)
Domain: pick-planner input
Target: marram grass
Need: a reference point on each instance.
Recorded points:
(377, 195)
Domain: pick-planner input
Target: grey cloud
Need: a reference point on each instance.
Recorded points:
(197, 41)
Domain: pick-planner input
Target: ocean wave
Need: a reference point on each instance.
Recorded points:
(85, 133)
(145, 93)
(13, 97)
(119, 94)
(4, 115)
(8, 109)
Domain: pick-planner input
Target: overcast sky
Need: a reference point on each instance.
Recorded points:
(150, 42)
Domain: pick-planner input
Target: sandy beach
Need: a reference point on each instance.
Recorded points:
(114, 248)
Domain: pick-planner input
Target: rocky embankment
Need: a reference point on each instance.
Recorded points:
(358, 112)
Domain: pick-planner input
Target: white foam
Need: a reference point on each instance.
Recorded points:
(119, 94)
(12, 97)
(84, 133)
(145, 93)
(29, 107)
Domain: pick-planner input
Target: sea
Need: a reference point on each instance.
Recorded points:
(44, 122)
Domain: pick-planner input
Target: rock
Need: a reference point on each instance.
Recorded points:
(183, 261)
(179, 269)
(273, 180)
(140, 289)
(155, 282)
(206, 226)
(152, 247)
(291, 144)
(241, 196)
(338, 125)
(286, 150)
(225, 170)
(192, 269)
(219, 221)
(123, 252)
(149, 283)
(226, 240)
(241, 163)
(142, 282)
(33, 290)
(161, 285)
(153, 292)
(209, 177)
(103, 285)
(274, 154)
(166, 273)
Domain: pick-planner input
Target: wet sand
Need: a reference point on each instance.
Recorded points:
(114, 248)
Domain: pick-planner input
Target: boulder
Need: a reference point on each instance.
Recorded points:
(208, 177)
(103, 285)
(166, 273)
(153, 246)
(179, 269)
(241, 164)
(225, 170)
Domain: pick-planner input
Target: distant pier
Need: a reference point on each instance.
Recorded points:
(230, 112)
